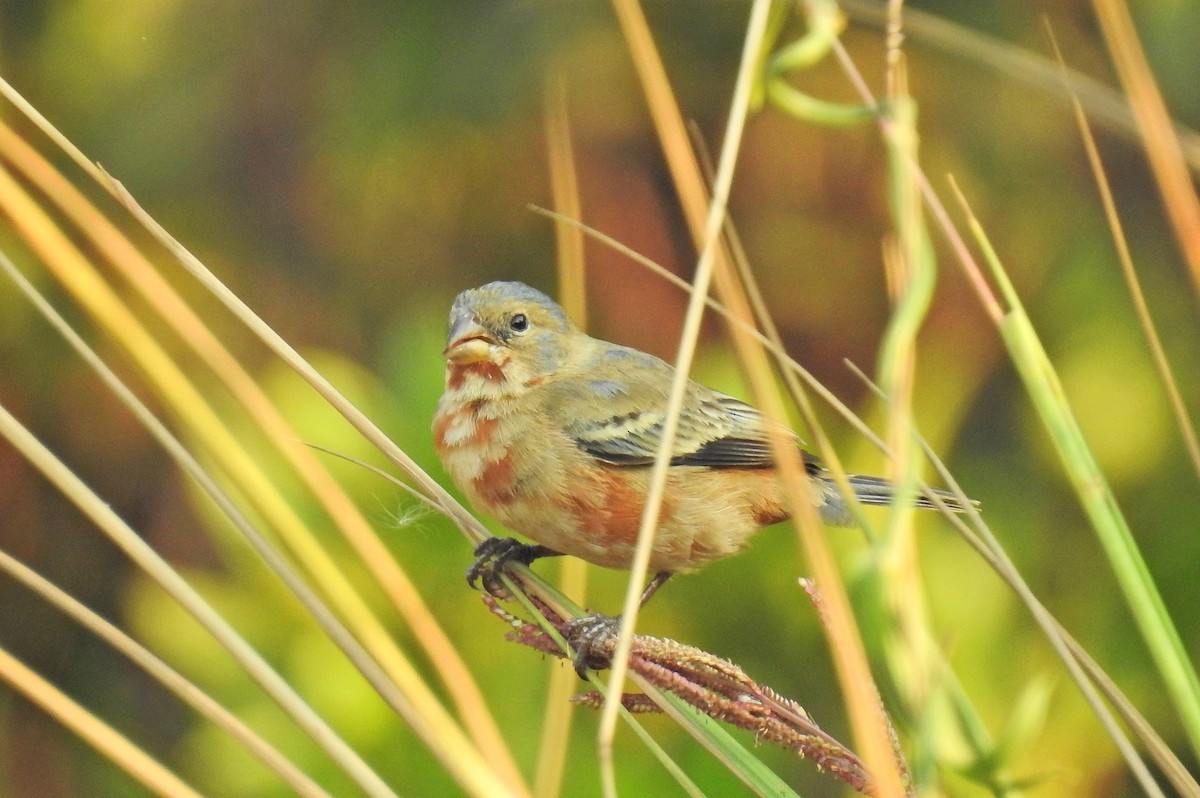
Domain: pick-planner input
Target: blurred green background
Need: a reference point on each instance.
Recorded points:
(348, 167)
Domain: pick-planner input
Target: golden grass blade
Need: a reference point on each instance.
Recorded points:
(705, 222)
(74, 271)
(395, 583)
(1158, 136)
(170, 678)
(679, 155)
(95, 732)
(572, 575)
(161, 572)
(459, 756)
(439, 730)
(1165, 373)
(770, 338)
(564, 187)
(471, 528)
(370, 669)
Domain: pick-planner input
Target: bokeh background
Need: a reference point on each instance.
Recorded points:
(348, 167)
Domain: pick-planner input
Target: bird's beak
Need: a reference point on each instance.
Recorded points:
(468, 342)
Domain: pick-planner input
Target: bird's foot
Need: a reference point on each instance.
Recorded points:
(591, 638)
(493, 554)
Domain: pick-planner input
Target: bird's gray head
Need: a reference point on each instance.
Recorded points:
(510, 326)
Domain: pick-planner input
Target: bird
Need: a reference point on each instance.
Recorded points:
(554, 433)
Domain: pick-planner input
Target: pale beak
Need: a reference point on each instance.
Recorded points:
(468, 342)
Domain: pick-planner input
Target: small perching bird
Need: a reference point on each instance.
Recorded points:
(554, 433)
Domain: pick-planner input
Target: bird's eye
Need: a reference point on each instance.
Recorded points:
(519, 322)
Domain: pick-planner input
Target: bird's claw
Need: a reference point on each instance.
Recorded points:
(492, 554)
(591, 639)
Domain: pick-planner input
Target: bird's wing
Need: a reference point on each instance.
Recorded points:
(617, 416)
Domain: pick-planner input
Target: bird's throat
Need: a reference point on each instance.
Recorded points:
(460, 376)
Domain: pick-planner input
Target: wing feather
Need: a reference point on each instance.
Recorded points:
(623, 424)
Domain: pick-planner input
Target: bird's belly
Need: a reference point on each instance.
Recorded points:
(596, 515)
(546, 488)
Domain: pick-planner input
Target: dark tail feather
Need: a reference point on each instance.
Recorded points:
(873, 490)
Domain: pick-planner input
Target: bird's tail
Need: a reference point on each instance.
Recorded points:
(873, 490)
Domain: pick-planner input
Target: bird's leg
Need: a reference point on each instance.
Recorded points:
(591, 633)
(653, 585)
(493, 554)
